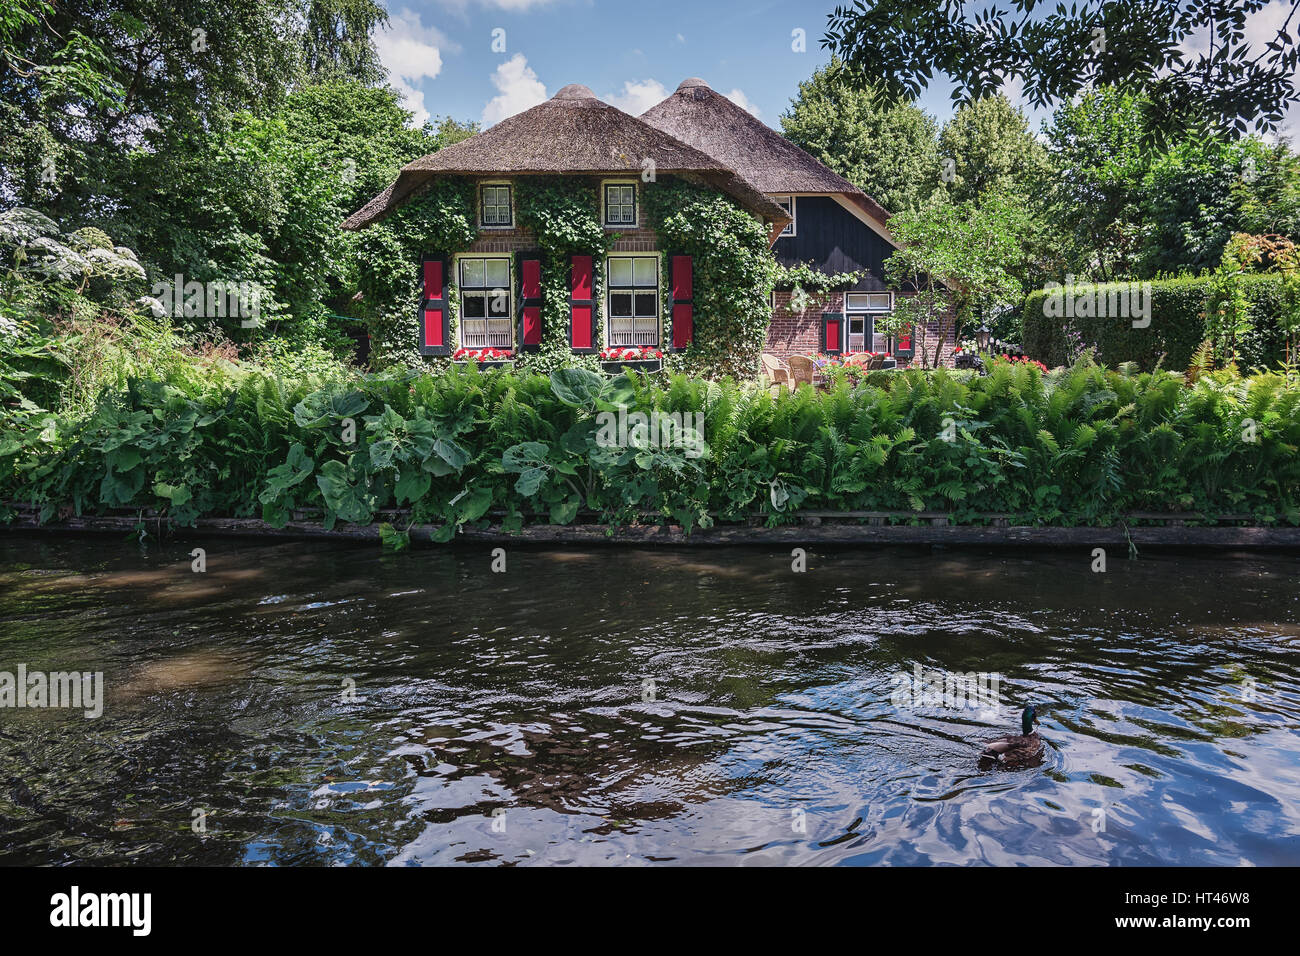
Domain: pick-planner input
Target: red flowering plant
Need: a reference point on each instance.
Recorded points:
(634, 353)
(1022, 360)
(483, 355)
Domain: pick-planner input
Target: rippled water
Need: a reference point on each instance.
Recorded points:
(1169, 689)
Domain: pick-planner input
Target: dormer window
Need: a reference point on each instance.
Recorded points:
(495, 208)
(787, 203)
(620, 204)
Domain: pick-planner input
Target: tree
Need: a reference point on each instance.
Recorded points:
(955, 259)
(336, 40)
(1138, 46)
(1098, 160)
(991, 147)
(886, 148)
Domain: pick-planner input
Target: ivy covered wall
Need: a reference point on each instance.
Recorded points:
(733, 268)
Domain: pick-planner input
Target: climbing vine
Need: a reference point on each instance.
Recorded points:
(806, 284)
(440, 220)
(564, 216)
(734, 275)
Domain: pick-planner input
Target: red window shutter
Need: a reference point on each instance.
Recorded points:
(682, 281)
(903, 349)
(529, 269)
(832, 329)
(683, 325)
(434, 318)
(582, 336)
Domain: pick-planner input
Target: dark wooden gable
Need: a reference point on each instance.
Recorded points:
(834, 240)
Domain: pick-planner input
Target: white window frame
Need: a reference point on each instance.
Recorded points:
(789, 231)
(482, 209)
(461, 330)
(868, 313)
(657, 289)
(636, 204)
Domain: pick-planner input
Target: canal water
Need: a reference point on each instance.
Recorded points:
(301, 703)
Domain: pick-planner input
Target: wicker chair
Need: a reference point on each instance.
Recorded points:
(776, 371)
(802, 370)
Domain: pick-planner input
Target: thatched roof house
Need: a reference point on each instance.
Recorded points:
(634, 293)
(572, 133)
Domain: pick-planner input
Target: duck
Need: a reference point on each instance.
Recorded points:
(1015, 751)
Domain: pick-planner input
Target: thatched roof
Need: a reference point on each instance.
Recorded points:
(572, 133)
(712, 123)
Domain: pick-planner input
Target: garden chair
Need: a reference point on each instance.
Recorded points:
(776, 371)
(802, 370)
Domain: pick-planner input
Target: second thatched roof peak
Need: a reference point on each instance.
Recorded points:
(707, 120)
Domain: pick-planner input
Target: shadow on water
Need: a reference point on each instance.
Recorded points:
(313, 703)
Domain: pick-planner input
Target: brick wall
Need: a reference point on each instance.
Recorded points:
(522, 240)
(794, 333)
(504, 240)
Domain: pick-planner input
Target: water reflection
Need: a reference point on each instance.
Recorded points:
(326, 704)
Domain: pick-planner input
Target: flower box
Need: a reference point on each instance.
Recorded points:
(636, 358)
(484, 358)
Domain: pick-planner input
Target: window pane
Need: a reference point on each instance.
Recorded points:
(878, 300)
(498, 302)
(645, 304)
(855, 326)
(620, 331)
(471, 273)
(620, 272)
(473, 333)
(474, 305)
(620, 303)
(645, 272)
(498, 273)
(855, 302)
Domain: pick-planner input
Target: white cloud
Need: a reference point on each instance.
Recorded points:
(680, 38)
(518, 89)
(738, 97)
(410, 52)
(512, 5)
(637, 96)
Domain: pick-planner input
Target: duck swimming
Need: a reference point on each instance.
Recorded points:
(1015, 752)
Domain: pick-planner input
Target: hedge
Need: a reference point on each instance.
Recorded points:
(1177, 326)
(1076, 446)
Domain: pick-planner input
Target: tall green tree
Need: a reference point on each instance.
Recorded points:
(885, 147)
(1099, 160)
(991, 147)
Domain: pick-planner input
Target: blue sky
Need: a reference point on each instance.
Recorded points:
(441, 53)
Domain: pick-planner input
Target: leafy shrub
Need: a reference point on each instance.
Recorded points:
(1177, 326)
(1081, 445)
